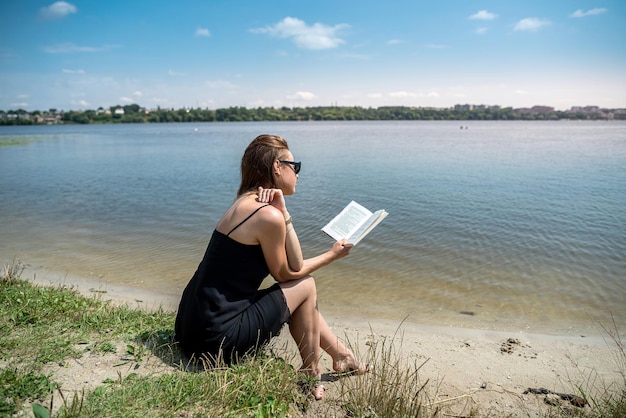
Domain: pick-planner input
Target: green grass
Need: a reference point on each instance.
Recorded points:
(18, 386)
(40, 327)
(255, 388)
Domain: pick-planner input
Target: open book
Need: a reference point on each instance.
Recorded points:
(353, 223)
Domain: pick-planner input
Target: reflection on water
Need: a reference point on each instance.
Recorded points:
(517, 225)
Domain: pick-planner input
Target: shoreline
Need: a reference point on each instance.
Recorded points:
(150, 298)
(142, 298)
(484, 369)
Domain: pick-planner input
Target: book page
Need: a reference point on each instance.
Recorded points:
(349, 219)
(367, 226)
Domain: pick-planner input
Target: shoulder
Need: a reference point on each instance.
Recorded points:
(269, 214)
(245, 213)
(269, 225)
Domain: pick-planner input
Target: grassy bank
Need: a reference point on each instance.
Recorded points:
(45, 331)
(55, 326)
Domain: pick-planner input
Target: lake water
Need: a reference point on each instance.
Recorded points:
(495, 225)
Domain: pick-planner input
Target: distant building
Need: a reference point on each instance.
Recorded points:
(619, 114)
(470, 107)
(463, 108)
(541, 109)
(49, 118)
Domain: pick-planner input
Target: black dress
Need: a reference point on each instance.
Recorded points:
(222, 306)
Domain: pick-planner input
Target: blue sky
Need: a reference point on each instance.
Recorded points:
(220, 53)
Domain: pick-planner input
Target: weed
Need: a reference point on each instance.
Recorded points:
(106, 347)
(12, 272)
(18, 386)
(135, 352)
(611, 402)
(392, 389)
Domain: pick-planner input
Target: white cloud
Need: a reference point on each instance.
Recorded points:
(126, 100)
(531, 24)
(203, 32)
(401, 94)
(521, 92)
(375, 95)
(57, 10)
(81, 103)
(481, 31)
(137, 93)
(22, 96)
(395, 42)
(66, 71)
(483, 15)
(19, 104)
(317, 36)
(303, 95)
(69, 48)
(591, 12)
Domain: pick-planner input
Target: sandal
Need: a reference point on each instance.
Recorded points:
(363, 368)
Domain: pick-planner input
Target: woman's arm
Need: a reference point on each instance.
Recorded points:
(274, 244)
(281, 246)
(292, 245)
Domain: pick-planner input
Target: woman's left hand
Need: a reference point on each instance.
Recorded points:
(340, 249)
(272, 196)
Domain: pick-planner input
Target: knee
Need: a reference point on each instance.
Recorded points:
(308, 283)
(305, 287)
(299, 292)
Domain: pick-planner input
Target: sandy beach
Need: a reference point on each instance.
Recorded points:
(467, 369)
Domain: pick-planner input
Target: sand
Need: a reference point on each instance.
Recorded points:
(467, 369)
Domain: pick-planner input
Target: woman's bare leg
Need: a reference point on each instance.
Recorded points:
(311, 331)
(343, 358)
(301, 297)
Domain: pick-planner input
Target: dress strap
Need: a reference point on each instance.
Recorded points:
(249, 216)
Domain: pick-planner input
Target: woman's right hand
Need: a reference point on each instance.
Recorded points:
(272, 196)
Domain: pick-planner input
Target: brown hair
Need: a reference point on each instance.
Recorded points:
(257, 161)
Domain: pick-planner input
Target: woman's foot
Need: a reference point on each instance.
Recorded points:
(314, 387)
(349, 365)
(311, 382)
(318, 390)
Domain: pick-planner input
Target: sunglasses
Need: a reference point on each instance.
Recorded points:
(296, 165)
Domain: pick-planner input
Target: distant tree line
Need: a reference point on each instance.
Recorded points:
(135, 114)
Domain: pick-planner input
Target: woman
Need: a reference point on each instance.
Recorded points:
(222, 310)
